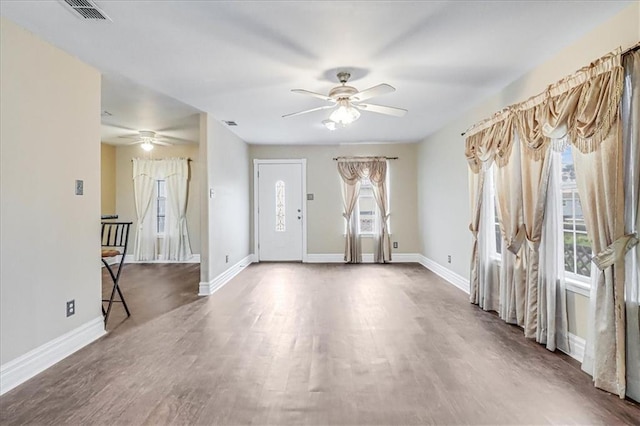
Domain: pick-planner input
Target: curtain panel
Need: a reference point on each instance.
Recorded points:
(144, 178)
(631, 140)
(583, 110)
(176, 240)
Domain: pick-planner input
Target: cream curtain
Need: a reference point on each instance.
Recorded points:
(143, 190)
(353, 171)
(176, 238)
(378, 177)
(350, 173)
(508, 181)
(582, 108)
(631, 140)
(146, 173)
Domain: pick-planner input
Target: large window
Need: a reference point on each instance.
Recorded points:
(577, 248)
(161, 205)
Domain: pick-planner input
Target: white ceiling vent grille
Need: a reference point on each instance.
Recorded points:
(87, 10)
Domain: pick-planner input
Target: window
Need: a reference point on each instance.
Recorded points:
(577, 248)
(280, 207)
(161, 205)
(493, 198)
(366, 209)
(497, 227)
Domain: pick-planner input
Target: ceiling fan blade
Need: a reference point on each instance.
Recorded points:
(381, 109)
(314, 94)
(136, 137)
(134, 143)
(371, 92)
(176, 139)
(309, 110)
(157, 142)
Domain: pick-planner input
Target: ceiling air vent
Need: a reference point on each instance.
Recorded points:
(87, 9)
(230, 123)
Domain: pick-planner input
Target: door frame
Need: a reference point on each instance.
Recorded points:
(256, 219)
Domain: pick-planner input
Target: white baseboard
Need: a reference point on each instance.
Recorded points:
(366, 258)
(457, 280)
(194, 259)
(21, 369)
(325, 258)
(208, 288)
(576, 347)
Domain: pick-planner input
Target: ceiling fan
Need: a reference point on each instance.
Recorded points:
(347, 101)
(146, 139)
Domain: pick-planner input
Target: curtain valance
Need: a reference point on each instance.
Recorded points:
(373, 168)
(583, 106)
(162, 168)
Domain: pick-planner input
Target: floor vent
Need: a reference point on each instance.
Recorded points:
(87, 9)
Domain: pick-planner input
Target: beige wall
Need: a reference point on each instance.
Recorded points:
(442, 183)
(325, 224)
(226, 231)
(125, 204)
(50, 245)
(108, 179)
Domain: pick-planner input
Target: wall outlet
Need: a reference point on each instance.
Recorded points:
(309, 197)
(226, 259)
(448, 258)
(395, 244)
(71, 307)
(79, 187)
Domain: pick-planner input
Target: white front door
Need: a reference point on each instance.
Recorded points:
(280, 211)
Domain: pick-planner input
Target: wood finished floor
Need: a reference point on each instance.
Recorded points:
(311, 344)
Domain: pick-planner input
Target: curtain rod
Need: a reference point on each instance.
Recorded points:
(156, 159)
(624, 52)
(361, 158)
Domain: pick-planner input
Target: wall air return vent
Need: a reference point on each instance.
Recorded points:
(230, 123)
(87, 10)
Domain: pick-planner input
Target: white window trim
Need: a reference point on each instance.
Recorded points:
(576, 284)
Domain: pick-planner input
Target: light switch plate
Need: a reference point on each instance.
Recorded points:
(79, 187)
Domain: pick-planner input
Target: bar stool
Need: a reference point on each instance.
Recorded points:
(115, 237)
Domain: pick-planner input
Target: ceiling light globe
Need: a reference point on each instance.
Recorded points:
(345, 114)
(147, 146)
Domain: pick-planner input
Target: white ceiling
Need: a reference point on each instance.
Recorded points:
(238, 60)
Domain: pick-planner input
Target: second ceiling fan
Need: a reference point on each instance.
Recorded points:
(348, 101)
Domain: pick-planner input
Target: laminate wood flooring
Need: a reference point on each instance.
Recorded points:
(318, 344)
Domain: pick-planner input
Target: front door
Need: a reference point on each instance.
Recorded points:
(280, 211)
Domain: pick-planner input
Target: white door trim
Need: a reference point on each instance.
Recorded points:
(256, 225)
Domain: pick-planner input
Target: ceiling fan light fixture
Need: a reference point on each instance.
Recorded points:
(147, 145)
(329, 124)
(345, 114)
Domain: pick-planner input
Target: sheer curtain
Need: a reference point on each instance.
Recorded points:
(631, 140)
(176, 236)
(552, 327)
(144, 180)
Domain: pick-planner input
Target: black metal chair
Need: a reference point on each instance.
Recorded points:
(115, 237)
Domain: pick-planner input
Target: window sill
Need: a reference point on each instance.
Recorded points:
(577, 287)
